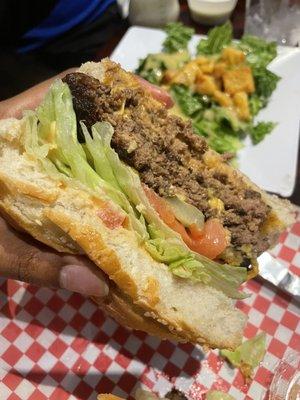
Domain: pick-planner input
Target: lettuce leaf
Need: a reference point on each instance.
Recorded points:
(221, 128)
(260, 130)
(151, 68)
(217, 38)
(265, 81)
(58, 126)
(189, 103)
(248, 355)
(178, 37)
(256, 103)
(259, 52)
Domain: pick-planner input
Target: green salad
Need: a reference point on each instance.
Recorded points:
(222, 88)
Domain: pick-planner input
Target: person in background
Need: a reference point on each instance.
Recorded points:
(39, 39)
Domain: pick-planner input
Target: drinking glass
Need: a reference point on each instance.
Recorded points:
(286, 381)
(277, 20)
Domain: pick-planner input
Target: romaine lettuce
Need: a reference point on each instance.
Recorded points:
(217, 38)
(189, 103)
(265, 82)
(178, 37)
(259, 52)
(256, 103)
(260, 130)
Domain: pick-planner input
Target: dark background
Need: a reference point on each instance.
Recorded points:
(93, 42)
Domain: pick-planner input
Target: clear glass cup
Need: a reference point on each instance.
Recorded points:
(277, 20)
(211, 12)
(286, 381)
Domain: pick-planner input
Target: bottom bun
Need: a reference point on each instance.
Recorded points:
(120, 307)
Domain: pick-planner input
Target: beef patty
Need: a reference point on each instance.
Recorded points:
(169, 157)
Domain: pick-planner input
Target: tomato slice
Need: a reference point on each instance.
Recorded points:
(111, 218)
(209, 241)
(213, 241)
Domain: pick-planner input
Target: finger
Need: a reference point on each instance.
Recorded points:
(52, 269)
(80, 279)
(158, 93)
(28, 100)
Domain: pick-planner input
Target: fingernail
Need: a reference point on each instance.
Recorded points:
(80, 279)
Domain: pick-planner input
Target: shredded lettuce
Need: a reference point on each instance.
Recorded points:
(178, 37)
(58, 128)
(33, 146)
(218, 395)
(99, 150)
(248, 355)
(181, 262)
(56, 118)
(194, 266)
(217, 38)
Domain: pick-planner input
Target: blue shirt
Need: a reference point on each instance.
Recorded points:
(65, 15)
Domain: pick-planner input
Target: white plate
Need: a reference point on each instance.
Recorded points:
(272, 164)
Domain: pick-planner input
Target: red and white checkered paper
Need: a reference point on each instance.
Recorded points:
(58, 345)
